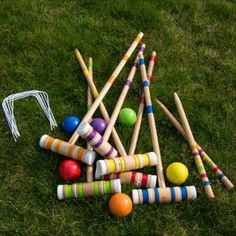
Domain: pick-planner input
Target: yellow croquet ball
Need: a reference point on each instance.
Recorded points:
(177, 173)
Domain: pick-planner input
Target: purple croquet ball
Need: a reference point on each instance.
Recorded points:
(99, 125)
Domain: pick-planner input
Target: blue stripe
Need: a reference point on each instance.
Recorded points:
(149, 109)
(172, 192)
(184, 193)
(156, 195)
(205, 183)
(145, 195)
(220, 176)
(145, 83)
(141, 61)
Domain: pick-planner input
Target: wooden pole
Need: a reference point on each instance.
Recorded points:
(108, 85)
(193, 145)
(151, 120)
(219, 173)
(122, 97)
(89, 175)
(138, 122)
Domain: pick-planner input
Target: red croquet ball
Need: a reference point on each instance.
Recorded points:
(69, 170)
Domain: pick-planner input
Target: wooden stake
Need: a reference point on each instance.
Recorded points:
(193, 145)
(219, 173)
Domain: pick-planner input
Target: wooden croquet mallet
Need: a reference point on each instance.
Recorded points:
(219, 173)
(123, 95)
(102, 107)
(108, 85)
(138, 122)
(151, 120)
(194, 148)
(68, 149)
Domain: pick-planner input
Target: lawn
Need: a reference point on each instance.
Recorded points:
(195, 44)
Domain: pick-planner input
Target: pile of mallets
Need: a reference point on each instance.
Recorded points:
(117, 167)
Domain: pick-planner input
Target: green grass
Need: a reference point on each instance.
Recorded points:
(195, 44)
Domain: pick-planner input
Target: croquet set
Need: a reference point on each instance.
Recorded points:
(109, 167)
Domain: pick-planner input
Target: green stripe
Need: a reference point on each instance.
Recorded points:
(88, 107)
(201, 168)
(107, 187)
(96, 188)
(69, 192)
(90, 63)
(80, 190)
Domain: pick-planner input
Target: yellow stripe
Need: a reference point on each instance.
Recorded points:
(194, 147)
(123, 167)
(77, 53)
(111, 79)
(86, 73)
(49, 142)
(136, 161)
(80, 154)
(198, 161)
(95, 93)
(146, 161)
(125, 58)
(58, 145)
(70, 151)
(138, 39)
(111, 166)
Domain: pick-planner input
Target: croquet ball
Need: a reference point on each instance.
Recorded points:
(70, 123)
(99, 125)
(120, 204)
(69, 170)
(127, 117)
(177, 173)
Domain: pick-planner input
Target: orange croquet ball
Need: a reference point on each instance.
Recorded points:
(120, 205)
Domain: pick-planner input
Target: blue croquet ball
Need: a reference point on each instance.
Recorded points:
(70, 123)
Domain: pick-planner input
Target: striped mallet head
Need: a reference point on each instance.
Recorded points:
(66, 149)
(96, 140)
(164, 195)
(82, 190)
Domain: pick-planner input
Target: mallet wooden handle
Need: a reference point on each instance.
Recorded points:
(219, 173)
(108, 85)
(102, 107)
(193, 145)
(151, 120)
(138, 122)
(122, 97)
(89, 174)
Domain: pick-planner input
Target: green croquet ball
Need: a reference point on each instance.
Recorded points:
(127, 117)
(177, 173)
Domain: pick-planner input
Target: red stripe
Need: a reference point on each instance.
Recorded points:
(215, 168)
(117, 175)
(106, 177)
(132, 181)
(203, 175)
(144, 180)
(149, 77)
(142, 100)
(152, 58)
